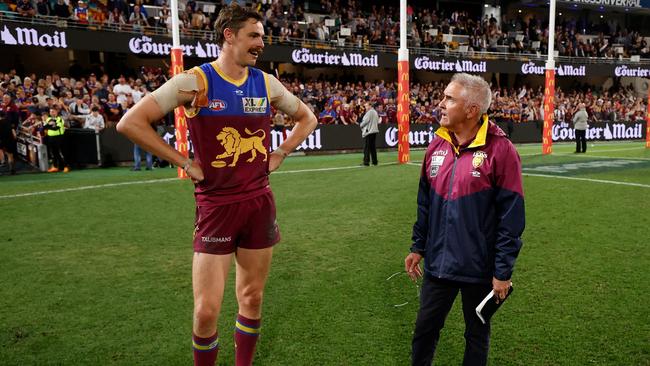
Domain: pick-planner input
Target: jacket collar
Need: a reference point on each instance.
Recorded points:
(479, 139)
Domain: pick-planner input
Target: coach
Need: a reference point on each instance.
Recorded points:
(470, 218)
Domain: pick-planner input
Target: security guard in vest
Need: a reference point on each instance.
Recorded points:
(55, 128)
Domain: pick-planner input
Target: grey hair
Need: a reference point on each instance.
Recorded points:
(476, 91)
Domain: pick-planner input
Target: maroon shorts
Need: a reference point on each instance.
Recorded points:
(249, 224)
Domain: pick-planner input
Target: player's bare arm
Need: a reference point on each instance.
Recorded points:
(306, 121)
(136, 122)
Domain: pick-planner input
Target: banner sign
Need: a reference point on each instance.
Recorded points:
(468, 66)
(13, 35)
(20, 34)
(529, 68)
(638, 4)
(115, 147)
(602, 131)
(333, 58)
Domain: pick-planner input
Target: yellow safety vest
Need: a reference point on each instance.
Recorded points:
(60, 124)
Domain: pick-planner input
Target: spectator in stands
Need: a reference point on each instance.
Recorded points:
(41, 98)
(327, 116)
(7, 144)
(94, 120)
(43, 8)
(164, 18)
(137, 19)
(91, 83)
(78, 110)
(122, 89)
(120, 5)
(25, 8)
(198, 19)
(80, 12)
(62, 10)
(28, 87)
(116, 18)
(113, 110)
(101, 92)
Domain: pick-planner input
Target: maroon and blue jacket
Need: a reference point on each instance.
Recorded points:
(470, 207)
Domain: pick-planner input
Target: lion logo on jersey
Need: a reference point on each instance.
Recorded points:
(235, 145)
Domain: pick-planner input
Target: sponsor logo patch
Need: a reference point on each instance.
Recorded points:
(254, 105)
(216, 239)
(217, 105)
(436, 163)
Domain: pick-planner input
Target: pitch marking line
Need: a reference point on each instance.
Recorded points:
(588, 180)
(577, 178)
(83, 188)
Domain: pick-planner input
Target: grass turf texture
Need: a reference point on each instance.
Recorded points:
(102, 276)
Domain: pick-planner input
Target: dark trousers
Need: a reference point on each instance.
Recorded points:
(55, 148)
(370, 149)
(581, 141)
(436, 298)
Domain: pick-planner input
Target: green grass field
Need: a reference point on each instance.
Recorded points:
(101, 276)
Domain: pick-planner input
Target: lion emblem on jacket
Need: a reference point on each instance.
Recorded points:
(235, 145)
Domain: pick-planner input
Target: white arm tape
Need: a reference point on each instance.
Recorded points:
(281, 98)
(168, 95)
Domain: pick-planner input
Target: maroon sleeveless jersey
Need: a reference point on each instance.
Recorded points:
(230, 133)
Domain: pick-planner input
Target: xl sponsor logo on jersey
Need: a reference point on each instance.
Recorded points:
(217, 105)
(254, 105)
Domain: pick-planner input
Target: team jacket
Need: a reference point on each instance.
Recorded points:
(470, 207)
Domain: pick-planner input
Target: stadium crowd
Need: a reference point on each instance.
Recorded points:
(368, 25)
(88, 102)
(99, 102)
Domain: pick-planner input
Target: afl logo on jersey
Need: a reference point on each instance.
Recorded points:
(217, 105)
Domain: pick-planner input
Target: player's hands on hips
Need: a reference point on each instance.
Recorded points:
(412, 266)
(500, 288)
(276, 160)
(195, 172)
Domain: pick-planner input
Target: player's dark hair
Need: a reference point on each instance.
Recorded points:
(233, 16)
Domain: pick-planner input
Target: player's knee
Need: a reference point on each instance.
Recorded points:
(205, 313)
(251, 299)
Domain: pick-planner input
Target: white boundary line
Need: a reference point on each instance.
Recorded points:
(83, 188)
(577, 178)
(88, 187)
(591, 156)
(587, 180)
(163, 180)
